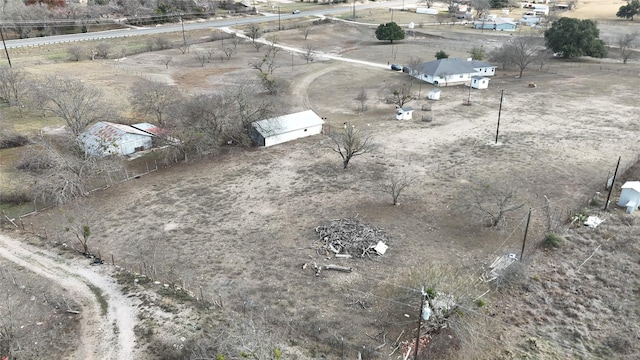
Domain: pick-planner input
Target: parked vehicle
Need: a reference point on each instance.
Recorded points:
(396, 67)
(296, 11)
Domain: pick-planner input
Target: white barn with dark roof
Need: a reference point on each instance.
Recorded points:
(269, 132)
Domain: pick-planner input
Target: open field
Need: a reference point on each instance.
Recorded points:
(237, 228)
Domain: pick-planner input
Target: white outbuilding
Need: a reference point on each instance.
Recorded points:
(269, 132)
(630, 196)
(479, 82)
(404, 113)
(434, 94)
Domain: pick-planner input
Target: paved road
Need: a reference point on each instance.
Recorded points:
(194, 25)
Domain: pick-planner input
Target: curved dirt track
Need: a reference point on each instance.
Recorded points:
(103, 336)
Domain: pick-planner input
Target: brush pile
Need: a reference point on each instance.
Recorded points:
(351, 238)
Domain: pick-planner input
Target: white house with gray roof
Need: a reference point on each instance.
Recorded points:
(451, 71)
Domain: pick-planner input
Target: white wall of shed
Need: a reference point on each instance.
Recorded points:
(292, 135)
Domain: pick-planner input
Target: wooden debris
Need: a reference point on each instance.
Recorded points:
(337, 268)
(344, 237)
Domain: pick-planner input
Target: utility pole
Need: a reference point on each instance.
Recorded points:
(423, 298)
(5, 46)
(499, 112)
(606, 205)
(184, 38)
(279, 17)
(354, 10)
(526, 230)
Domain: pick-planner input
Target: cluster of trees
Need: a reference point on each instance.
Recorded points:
(628, 11)
(571, 37)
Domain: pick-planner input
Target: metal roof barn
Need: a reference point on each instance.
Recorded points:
(269, 132)
(106, 138)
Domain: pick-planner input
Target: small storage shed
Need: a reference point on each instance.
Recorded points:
(269, 132)
(630, 196)
(105, 138)
(434, 94)
(479, 82)
(405, 113)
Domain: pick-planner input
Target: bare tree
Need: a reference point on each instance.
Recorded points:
(74, 101)
(258, 45)
(166, 60)
(103, 49)
(401, 96)
(522, 50)
(228, 51)
(306, 30)
(502, 56)
(62, 172)
(254, 32)
(542, 57)
(203, 123)
(266, 66)
(491, 203)
(395, 185)
(481, 7)
(362, 98)
(162, 42)
(76, 52)
(123, 51)
(626, 44)
(236, 40)
(309, 53)
(351, 142)
(12, 85)
(152, 98)
(202, 57)
(81, 230)
(184, 48)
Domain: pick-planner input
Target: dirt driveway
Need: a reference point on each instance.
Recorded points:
(107, 320)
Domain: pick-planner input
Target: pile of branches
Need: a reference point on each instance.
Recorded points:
(349, 238)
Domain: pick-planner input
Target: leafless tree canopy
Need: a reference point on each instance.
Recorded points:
(395, 185)
(523, 50)
(61, 172)
(156, 99)
(201, 124)
(491, 203)
(351, 142)
(401, 96)
(76, 52)
(309, 53)
(78, 104)
(362, 98)
(254, 32)
(12, 85)
(627, 44)
(481, 7)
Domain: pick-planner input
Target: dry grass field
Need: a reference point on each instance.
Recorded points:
(237, 228)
